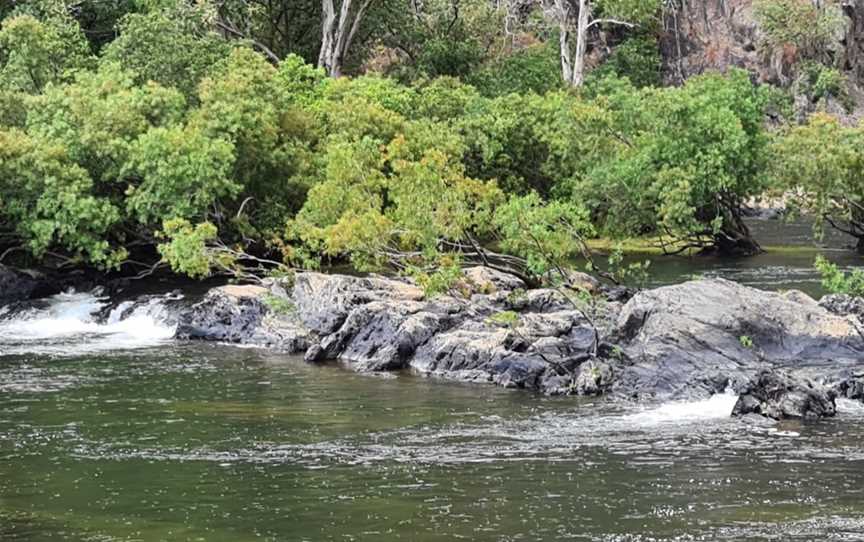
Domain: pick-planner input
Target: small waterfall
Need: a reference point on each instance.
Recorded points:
(78, 322)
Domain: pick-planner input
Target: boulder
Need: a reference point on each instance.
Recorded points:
(540, 351)
(19, 285)
(324, 301)
(484, 280)
(689, 339)
(844, 305)
(241, 314)
(780, 395)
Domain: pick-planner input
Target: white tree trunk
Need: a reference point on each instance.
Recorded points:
(337, 33)
(572, 55)
(584, 18)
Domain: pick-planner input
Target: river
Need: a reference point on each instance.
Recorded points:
(111, 431)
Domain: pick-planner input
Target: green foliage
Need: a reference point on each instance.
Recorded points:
(533, 69)
(244, 102)
(99, 116)
(47, 199)
(548, 236)
(802, 25)
(683, 159)
(174, 47)
(377, 201)
(186, 247)
(175, 128)
(443, 99)
(820, 163)
(181, 172)
(441, 279)
(637, 59)
(34, 53)
(837, 282)
(820, 82)
(278, 305)
(746, 341)
(535, 143)
(504, 318)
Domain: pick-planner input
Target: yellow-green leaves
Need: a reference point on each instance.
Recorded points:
(34, 53)
(186, 249)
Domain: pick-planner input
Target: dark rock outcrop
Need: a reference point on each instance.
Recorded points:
(780, 395)
(20, 286)
(684, 341)
(239, 314)
(375, 324)
(693, 338)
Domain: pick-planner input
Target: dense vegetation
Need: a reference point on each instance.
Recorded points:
(205, 136)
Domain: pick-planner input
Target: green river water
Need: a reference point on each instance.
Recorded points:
(113, 432)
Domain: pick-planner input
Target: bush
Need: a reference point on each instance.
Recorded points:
(533, 69)
(838, 282)
(637, 59)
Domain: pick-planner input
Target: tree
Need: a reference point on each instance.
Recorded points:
(276, 29)
(685, 161)
(46, 200)
(577, 19)
(98, 117)
(35, 53)
(821, 164)
(174, 47)
(252, 104)
(338, 31)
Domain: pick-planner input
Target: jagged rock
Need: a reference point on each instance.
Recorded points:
(239, 314)
(594, 378)
(20, 285)
(688, 339)
(844, 305)
(780, 395)
(487, 281)
(583, 281)
(383, 336)
(540, 352)
(325, 301)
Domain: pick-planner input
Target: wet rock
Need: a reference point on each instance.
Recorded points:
(594, 378)
(780, 395)
(683, 340)
(383, 336)
(849, 384)
(240, 314)
(18, 285)
(325, 301)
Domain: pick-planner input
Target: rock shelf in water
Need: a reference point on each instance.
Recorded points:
(676, 342)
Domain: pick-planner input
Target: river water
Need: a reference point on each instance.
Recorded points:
(111, 431)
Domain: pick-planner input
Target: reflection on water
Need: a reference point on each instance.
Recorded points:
(223, 444)
(788, 266)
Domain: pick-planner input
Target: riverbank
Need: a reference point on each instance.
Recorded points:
(679, 342)
(684, 341)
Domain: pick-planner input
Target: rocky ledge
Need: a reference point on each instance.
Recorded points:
(786, 354)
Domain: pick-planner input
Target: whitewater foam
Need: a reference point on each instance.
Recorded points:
(68, 324)
(718, 406)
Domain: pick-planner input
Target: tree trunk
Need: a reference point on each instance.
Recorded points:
(584, 17)
(736, 239)
(337, 33)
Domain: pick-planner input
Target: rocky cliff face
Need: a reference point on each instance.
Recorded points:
(716, 35)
